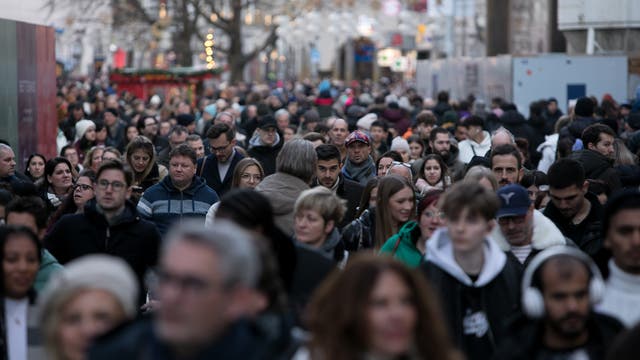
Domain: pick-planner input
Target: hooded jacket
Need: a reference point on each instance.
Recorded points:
(282, 190)
(545, 234)
(548, 152)
(469, 148)
(402, 245)
(496, 290)
(598, 166)
(164, 204)
(265, 154)
(48, 267)
(128, 237)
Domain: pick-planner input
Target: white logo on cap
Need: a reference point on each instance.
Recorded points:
(507, 197)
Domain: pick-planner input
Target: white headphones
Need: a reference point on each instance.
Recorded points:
(532, 299)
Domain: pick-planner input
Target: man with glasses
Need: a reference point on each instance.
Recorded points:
(109, 225)
(180, 195)
(217, 168)
(522, 231)
(207, 291)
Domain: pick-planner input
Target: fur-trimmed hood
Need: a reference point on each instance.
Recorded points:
(545, 234)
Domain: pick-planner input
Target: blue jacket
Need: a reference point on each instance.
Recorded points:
(163, 203)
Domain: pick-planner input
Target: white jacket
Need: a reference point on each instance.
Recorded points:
(469, 148)
(548, 151)
(545, 234)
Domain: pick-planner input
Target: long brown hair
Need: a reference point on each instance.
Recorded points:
(340, 328)
(241, 166)
(389, 185)
(140, 143)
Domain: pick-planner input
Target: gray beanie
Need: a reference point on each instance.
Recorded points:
(92, 272)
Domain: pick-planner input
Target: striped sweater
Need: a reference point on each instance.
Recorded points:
(164, 204)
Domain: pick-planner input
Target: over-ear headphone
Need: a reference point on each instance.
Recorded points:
(532, 299)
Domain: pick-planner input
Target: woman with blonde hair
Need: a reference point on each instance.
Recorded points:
(378, 297)
(317, 213)
(93, 295)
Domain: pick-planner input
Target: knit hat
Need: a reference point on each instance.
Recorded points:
(366, 121)
(584, 107)
(91, 272)
(155, 100)
(81, 128)
(398, 143)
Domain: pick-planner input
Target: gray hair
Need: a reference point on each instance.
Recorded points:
(239, 262)
(502, 129)
(281, 112)
(479, 172)
(298, 158)
(5, 147)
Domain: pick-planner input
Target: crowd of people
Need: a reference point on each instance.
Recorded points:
(320, 221)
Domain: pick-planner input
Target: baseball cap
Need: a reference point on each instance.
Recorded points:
(267, 121)
(357, 136)
(514, 201)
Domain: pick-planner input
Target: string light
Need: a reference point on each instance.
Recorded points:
(208, 50)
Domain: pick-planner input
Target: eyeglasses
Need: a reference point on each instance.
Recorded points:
(83, 187)
(256, 177)
(186, 283)
(115, 185)
(518, 220)
(434, 214)
(219, 148)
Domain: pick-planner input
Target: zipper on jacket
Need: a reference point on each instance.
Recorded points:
(106, 240)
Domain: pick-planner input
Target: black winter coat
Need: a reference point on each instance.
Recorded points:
(587, 235)
(360, 234)
(351, 191)
(131, 238)
(598, 166)
(139, 341)
(524, 341)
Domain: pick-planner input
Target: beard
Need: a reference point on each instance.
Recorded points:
(568, 331)
(445, 155)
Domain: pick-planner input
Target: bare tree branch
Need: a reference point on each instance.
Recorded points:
(270, 40)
